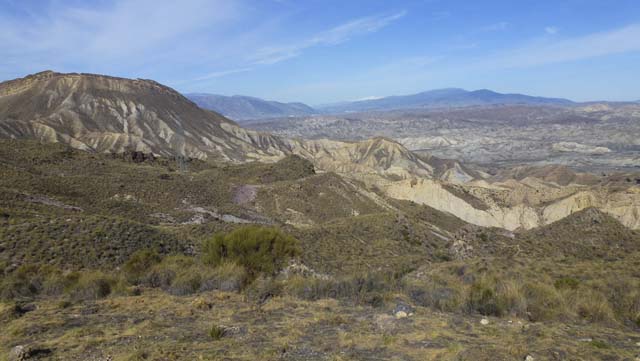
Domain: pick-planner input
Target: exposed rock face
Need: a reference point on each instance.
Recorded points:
(433, 194)
(377, 156)
(142, 119)
(590, 137)
(107, 114)
(624, 205)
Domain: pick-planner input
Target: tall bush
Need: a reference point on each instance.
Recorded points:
(261, 250)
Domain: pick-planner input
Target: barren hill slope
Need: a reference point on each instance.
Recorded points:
(107, 114)
(114, 115)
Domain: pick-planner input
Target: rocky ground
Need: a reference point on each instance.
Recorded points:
(156, 326)
(107, 252)
(590, 138)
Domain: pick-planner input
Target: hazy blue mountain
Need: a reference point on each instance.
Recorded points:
(240, 107)
(450, 97)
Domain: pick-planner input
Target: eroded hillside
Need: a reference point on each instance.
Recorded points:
(114, 115)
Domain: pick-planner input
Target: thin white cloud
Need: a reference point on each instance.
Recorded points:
(551, 30)
(372, 97)
(412, 74)
(124, 32)
(621, 40)
(334, 36)
(218, 74)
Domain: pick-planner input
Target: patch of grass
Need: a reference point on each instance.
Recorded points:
(217, 332)
(185, 283)
(482, 297)
(92, 286)
(441, 292)
(228, 276)
(593, 306)
(262, 289)
(138, 356)
(599, 344)
(511, 298)
(139, 263)
(566, 283)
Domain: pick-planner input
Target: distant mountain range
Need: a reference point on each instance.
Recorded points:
(239, 107)
(104, 114)
(441, 98)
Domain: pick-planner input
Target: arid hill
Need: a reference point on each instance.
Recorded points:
(114, 115)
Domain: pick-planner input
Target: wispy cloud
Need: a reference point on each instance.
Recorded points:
(333, 36)
(551, 30)
(549, 51)
(218, 74)
(371, 97)
(412, 74)
(125, 32)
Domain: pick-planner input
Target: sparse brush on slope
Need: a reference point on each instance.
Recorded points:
(261, 250)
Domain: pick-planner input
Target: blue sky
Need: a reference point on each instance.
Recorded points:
(321, 51)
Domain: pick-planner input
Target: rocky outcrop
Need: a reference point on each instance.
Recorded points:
(622, 205)
(142, 119)
(433, 194)
(108, 114)
(134, 116)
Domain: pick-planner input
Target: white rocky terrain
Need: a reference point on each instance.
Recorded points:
(106, 114)
(590, 137)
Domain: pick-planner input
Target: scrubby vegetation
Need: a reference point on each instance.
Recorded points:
(261, 250)
(123, 254)
(476, 288)
(216, 332)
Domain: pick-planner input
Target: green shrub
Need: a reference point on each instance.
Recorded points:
(543, 302)
(186, 282)
(57, 283)
(24, 283)
(217, 332)
(442, 292)
(593, 306)
(566, 283)
(482, 298)
(261, 250)
(163, 274)
(92, 286)
(359, 289)
(511, 298)
(599, 344)
(228, 277)
(139, 263)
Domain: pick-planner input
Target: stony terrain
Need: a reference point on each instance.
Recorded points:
(136, 226)
(105, 114)
(377, 278)
(594, 137)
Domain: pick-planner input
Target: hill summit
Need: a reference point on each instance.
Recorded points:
(109, 114)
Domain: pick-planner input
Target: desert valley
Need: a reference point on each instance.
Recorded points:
(319, 180)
